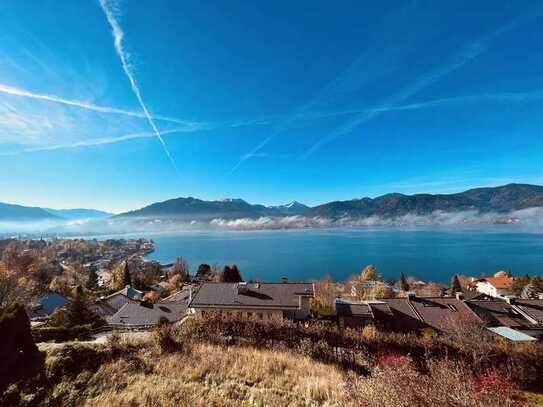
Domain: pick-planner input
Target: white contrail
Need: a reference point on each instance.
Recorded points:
(92, 142)
(10, 90)
(118, 43)
(467, 54)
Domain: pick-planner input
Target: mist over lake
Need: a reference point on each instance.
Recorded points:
(427, 253)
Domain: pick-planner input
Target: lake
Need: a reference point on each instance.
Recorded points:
(429, 254)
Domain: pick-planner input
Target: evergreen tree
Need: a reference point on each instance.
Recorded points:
(92, 281)
(231, 274)
(19, 355)
(404, 285)
(77, 312)
(127, 278)
(203, 272)
(456, 287)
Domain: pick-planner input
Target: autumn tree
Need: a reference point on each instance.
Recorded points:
(12, 288)
(325, 293)
(151, 296)
(181, 267)
(369, 273)
(380, 291)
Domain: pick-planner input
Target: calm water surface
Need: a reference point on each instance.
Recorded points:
(432, 254)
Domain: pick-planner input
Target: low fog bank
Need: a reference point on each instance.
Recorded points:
(530, 219)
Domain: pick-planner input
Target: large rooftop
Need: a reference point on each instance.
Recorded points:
(251, 295)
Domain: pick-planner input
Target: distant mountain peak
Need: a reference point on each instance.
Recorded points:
(232, 200)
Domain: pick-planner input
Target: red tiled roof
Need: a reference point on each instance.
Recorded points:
(501, 282)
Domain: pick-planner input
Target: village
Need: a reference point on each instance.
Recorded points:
(73, 308)
(122, 292)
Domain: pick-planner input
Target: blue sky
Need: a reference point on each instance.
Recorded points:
(114, 105)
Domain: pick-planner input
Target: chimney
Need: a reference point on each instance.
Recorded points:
(459, 296)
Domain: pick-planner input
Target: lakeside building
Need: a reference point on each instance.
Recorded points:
(410, 314)
(497, 286)
(146, 315)
(258, 300)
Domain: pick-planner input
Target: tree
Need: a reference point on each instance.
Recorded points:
(519, 283)
(537, 282)
(127, 278)
(231, 274)
(19, 355)
(181, 267)
(456, 287)
(369, 273)
(203, 272)
(151, 296)
(77, 312)
(325, 293)
(381, 290)
(12, 289)
(404, 285)
(92, 281)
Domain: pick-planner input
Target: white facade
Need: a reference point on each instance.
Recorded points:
(488, 288)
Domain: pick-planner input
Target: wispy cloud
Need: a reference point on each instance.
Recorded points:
(13, 91)
(118, 35)
(469, 52)
(92, 142)
(481, 98)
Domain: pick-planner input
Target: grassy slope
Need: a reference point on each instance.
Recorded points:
(208, 375)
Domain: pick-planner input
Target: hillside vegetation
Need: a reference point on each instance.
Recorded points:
(212, 363)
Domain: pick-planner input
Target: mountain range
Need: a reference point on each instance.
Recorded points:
(17, 213)
(500, 200)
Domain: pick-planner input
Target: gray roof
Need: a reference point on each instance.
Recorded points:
(179, 296)
(353, 309)
(106, 307)
(136, 314)
(251, 295)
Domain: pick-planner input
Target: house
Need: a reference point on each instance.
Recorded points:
(521, 315)
(352, 314)
(179, 296)
(144, 315)
(259, 300)
(498, 286)
(45, 306)
(106, 307)
(131, 292)
(411, 314)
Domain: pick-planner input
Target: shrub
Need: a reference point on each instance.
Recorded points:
(370, 332)
(62, 333)
(165, 339)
